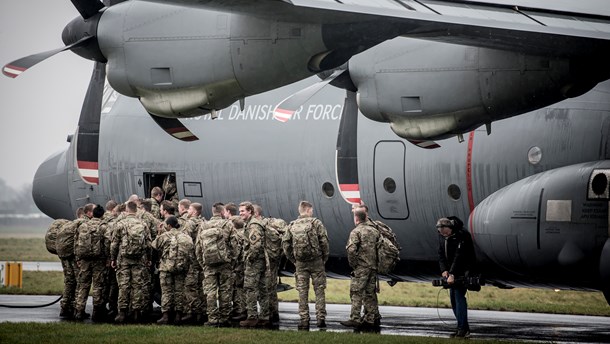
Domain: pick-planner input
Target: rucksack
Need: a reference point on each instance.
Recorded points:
(176, 255)
(387, 232)
(305, 243)
(387, 255)
(213, 244)
(274, 230)
(50, 238)
(64, 244)
(90, 243)
(133, 242)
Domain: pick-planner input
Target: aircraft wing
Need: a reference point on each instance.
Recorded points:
(557, 28)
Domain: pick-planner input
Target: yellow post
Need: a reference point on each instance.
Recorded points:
(13, 274)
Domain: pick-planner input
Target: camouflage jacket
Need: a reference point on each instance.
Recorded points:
(362, 247)
(196, 224)
(151, 222)
(117, 246)
(254, 240)
(155, 209)
(162, 245)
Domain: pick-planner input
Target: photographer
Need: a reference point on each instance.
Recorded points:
(456, 259)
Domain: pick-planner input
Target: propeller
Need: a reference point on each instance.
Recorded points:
(174, 127)
(347, 151)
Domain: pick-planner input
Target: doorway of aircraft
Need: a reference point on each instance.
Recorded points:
(389, 176)
(160, 179)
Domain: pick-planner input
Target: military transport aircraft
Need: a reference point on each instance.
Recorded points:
(185, 58)
(534, 193)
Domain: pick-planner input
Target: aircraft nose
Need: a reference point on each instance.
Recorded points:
(50, 187)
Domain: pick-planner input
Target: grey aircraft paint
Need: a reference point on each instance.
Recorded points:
(247, 155)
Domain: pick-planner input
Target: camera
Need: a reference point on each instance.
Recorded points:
(472, 283)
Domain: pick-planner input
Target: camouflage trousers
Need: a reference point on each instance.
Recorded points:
(315, 271)
(255, 289)
(111, 289)
(239, 297)
(194, 298)
(172, 291)
(274, 267)
(217, 286)
(70, 269)
(363, 292)
(90, 271)
(134, 291)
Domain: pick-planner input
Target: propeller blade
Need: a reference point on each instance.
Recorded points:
(425, 144)
(88, 132)
(87, 8)
(15, 68)
(285, 109)
(175, 128)
(347, 151)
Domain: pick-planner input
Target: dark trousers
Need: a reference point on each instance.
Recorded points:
(460, 307)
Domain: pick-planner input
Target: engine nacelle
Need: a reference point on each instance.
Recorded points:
(434, 90)
(185, 62)
(549, 223)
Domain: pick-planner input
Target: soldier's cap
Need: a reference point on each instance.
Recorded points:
(172, 221)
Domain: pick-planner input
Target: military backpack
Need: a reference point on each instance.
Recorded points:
(64, 244)
(387, 255)
(305, 243)
(176, 254)
(386, 232)
(90, 243)
(50, 238)
(214, 245)
(274, 230)
(133, 242)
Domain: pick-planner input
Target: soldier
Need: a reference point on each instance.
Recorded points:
(274, 230)
(65, 251)
(175, 249)
(90, 251)
(194, 295)
(144, 214)
(362, 257)
(306, 246)
(217, 247)
(169, 187)
(112, 285)
(256, 269)
(238, 312)
(156, 197)
(130, 252)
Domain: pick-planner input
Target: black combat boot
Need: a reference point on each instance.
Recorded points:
(178, 318)
(122, 317)
(99, 314)
(190, 317)
(164, 319)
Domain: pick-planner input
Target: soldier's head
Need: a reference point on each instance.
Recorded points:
(232, 209)
(183, 206)
(359, 216)
(134, 198)
(246, 210)
(167, 208)
(172, 222)
(88, 210)
(120, 208)
(444, 226)
(98, 211)
(157, 193)
(218, 209)
(258, 211)
(146, 204)
(110, 205)
(305, 208)
(238, 223)
(79, 212)
(362, 206)
(195, 209)
(131, 207)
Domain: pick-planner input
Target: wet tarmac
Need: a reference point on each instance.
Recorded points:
(407, 321)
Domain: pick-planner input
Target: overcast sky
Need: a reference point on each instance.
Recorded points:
(41, 107)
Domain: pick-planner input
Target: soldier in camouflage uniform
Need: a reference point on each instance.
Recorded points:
(90, 252)
(156, 197)
(362, 257)
(238, 311)
(194, 295)
(65, 252)
(144, 214)
(256, 269)
(170, 189)
(217, 260)
(175, 249)
(131, 260)
(305, 244)
(112, 286)
(274, 230)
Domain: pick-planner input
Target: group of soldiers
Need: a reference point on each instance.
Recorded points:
(216, 272)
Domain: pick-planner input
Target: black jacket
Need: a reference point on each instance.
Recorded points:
(456, 253)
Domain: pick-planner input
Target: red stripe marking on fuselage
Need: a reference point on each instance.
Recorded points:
(88, 165)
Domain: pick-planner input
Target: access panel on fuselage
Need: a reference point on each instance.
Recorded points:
(389, 175)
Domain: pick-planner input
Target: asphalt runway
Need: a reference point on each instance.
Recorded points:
(406, 321)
